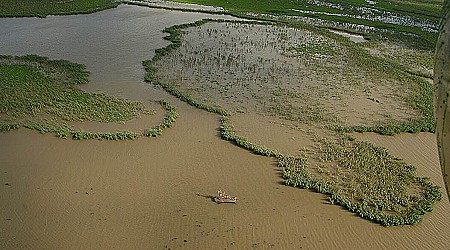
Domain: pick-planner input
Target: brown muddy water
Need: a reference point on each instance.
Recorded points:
(153, 193)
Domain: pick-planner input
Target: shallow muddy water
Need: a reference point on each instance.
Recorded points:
(153, 193)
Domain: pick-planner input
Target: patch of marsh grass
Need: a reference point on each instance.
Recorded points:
(367, 180)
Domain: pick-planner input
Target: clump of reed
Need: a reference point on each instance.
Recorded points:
(122, 135)
(49, 126)
(168, 121)
(5, 127)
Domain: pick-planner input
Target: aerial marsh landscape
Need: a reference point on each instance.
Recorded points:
(310, 113)
(304, 77)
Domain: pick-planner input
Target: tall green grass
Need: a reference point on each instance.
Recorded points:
(33, 85)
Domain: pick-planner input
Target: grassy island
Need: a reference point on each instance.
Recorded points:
(42, 94)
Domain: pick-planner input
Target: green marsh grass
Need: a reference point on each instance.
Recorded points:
(370, 182)
(122, 135)
(41, 94)
(367, 180)
(167, 122)
(348, 14)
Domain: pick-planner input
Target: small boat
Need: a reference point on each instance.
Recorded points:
(224, 198)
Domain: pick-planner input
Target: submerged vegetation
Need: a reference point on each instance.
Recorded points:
(41, 94)
(360, 176)
(261, 66)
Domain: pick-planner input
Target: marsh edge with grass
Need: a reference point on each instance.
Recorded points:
(384, 198)
(413, 23)
(41, 94)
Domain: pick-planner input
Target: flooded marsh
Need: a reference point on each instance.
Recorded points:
(251, 67)
(152, 193)
(291, 73)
